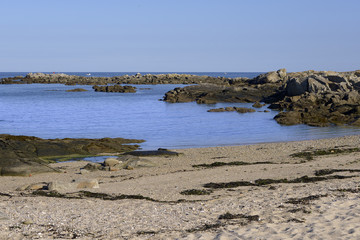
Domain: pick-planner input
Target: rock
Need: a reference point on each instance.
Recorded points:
(87, 183)
(111, 162)
(23, 155)
(115, 88)
(59, 186)
(136, 163)
(270, 77)
(218, 110)
(296, 86)
(244, 110)
(258, 105)
(317, 84)
(84, 171)
(91, 167)
(34, 186)
(77, 90)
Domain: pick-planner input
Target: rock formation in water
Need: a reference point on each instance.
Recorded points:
(315, 98)
(23, 155)
(233, 109)
(115, 88)
(125, 79)
(318, 98)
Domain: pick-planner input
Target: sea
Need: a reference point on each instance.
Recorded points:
(48, 111)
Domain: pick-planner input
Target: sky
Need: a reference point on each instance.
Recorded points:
(179, 35)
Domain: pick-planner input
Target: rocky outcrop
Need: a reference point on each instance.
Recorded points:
(316, 98)
(125, 79)
(115, 88)
(320, 99)
(233, 109)
(211, 93)
(23, 155)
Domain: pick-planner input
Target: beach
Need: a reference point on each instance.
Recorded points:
(286, 190)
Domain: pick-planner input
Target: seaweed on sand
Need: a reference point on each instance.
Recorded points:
(263, 182)
(196, 192)
(309, 155)
(234, 163)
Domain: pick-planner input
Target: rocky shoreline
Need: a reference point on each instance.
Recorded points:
(312, 98)
(24, 156)
(316, 98)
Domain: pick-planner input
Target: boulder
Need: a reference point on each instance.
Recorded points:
(270, 77)
(111, 162)
(296, 86)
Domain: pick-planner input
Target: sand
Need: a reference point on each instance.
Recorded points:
(326, 209)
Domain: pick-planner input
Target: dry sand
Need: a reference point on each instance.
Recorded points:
(327, 209)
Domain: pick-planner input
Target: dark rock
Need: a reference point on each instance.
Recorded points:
(115, 88)
(244, 110)
(258, 105)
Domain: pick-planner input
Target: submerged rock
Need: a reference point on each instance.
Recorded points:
(77, 90)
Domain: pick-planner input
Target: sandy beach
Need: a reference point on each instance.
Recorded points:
(262, 191)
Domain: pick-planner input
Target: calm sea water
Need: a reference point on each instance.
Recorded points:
(48, 111)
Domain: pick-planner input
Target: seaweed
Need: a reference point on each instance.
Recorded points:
(310, 155)
(196, 192)
(205, 227)
(323, 172)
(146, 232)
(228, 216)
(234, 163)
(295, 210)
(357, 190)
(263, 182)
(305, 200)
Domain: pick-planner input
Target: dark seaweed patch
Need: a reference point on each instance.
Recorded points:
(228, 216)
(295, 210)
(310, 155)
(235, 163)
(263, 182)
(323, 172)
(196, 192)
(305, 200)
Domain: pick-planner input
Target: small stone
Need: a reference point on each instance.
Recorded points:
(27, 222)
(84, 171)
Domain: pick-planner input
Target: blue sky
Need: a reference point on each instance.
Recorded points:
(179, 35)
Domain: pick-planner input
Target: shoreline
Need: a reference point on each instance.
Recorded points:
(243, 207)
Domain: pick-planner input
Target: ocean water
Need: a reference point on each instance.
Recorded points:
(48, 111)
